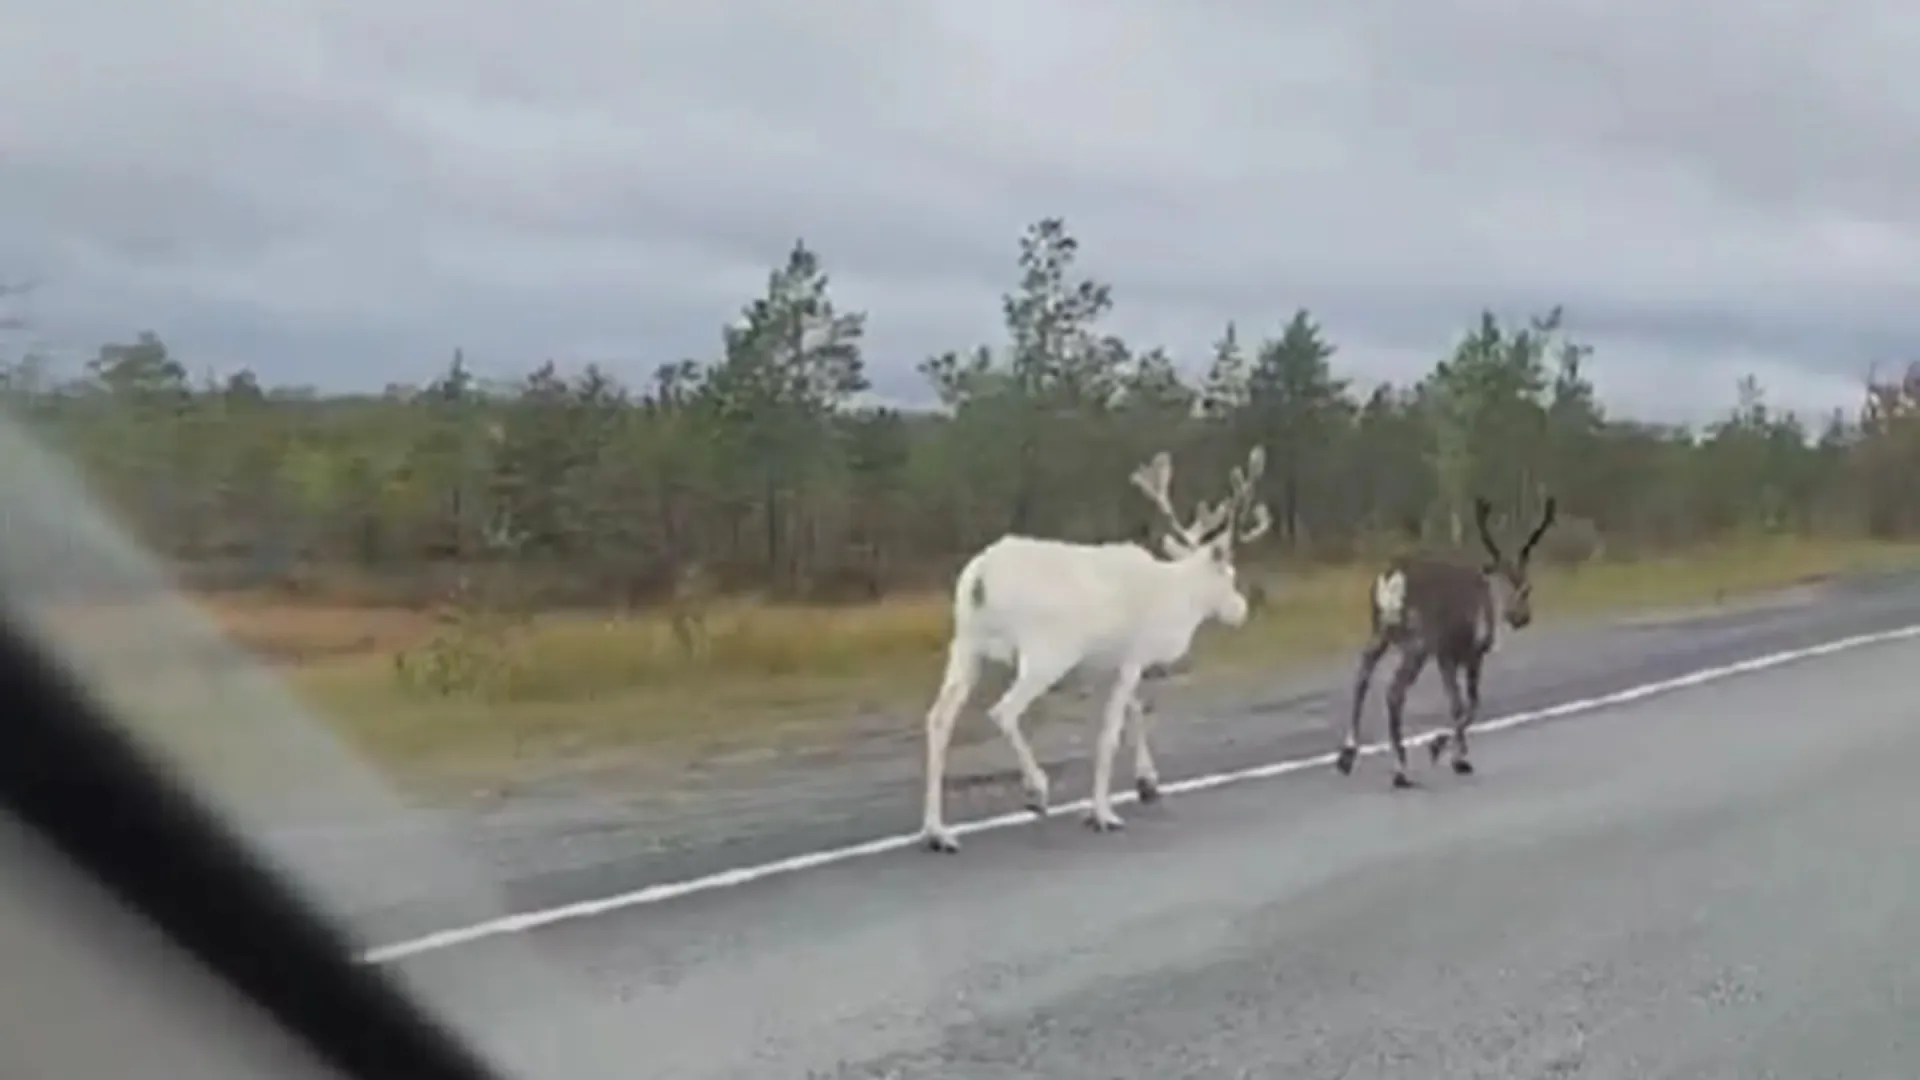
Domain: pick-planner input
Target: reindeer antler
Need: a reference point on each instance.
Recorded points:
(1153, 479)
(1257, 524)
(1482, 509)
(1249, 516)
(1546, 522)
(1238, 511)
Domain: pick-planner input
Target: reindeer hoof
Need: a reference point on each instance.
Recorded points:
(1108, 823)
(1462, 767)
(1400, 781)
(940, 842)
(1034, 796)
(1344, 762)
(1148, 789)
(1437, 747)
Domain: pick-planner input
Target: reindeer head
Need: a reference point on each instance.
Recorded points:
(1512, 589)
(1206, 544)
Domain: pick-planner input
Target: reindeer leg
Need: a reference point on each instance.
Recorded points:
(1032, 679)
(1413, 659)
(1467, 719)
(1120, 701)
(963, 668)
(1370, 655)
(1457, 713)
(1146, 777)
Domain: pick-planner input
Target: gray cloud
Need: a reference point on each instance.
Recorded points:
(339, 193)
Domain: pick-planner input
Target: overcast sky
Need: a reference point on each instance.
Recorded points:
(339, 191)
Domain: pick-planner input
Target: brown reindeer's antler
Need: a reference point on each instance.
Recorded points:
(1546, 522)
(1482, 509)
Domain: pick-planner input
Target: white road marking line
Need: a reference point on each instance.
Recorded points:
(742, 875)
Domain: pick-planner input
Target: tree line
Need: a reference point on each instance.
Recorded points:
(760, 469)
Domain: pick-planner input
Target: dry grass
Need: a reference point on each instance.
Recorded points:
(571, 684)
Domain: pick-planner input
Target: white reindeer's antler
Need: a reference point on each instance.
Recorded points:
(1238, 512)
(1154, 479)
(1258, 522)
(1242, 504)
(1209, 518)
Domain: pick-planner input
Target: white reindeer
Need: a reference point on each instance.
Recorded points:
(1050, 606)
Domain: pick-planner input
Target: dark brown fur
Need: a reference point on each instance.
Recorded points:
(1448, 616)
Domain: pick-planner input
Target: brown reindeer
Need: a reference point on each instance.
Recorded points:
(1430, 608)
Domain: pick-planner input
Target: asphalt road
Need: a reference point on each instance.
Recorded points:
(547, 849)
(1718, 882)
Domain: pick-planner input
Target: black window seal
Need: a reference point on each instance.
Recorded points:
(79, 780)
